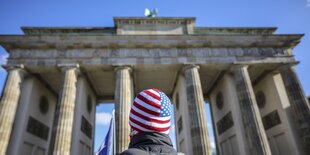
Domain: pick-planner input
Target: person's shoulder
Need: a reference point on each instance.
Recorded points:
(134, 151)
(179, 153)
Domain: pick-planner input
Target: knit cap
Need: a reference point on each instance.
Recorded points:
(150, 112)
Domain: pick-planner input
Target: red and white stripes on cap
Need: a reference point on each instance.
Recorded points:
(150, 112)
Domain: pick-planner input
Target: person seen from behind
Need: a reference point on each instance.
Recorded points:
(150, 121)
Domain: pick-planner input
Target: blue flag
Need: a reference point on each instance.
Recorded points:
(107, 147)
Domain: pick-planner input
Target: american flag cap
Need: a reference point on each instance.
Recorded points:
(150, 112)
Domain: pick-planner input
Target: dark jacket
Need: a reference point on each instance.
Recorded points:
(150, 143)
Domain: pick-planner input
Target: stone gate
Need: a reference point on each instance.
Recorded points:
(57, 75)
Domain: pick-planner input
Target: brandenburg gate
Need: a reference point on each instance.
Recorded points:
(57, 76)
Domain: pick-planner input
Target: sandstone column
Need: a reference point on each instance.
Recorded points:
(256, 139)
(299, 103)
(123, 101)
(195, 103)
(9, 103)
(66, 112)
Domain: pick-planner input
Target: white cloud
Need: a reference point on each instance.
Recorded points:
(103, 118)
(172, 128)
(212, 145)
(172, 131)
(3, 60)
(209, 125)
(172, 135)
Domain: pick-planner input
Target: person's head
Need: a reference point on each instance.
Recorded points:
(150, 112)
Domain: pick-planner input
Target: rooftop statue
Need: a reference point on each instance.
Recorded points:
(149, 13)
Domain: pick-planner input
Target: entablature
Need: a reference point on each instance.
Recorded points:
(146, 41)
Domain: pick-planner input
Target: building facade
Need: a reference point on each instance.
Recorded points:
(57, 76)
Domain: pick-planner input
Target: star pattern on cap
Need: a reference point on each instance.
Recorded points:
(165, 105)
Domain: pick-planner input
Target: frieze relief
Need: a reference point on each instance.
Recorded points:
(152, 53)
(151, 21)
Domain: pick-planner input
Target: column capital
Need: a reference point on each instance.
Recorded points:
(9, 67)
(65, 67)
(285, 66)
(117, 68)
(235, 67)
(20, 68)
(190, 66)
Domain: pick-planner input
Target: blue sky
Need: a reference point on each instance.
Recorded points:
(290, 16)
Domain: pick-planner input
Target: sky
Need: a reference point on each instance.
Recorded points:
(290, 16)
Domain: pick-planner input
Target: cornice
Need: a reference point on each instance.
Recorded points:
(146, 41)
